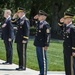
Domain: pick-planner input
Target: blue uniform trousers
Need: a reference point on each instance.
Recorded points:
(42, 60)
(9, 51)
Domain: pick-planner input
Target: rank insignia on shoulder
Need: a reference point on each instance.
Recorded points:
(48, 31)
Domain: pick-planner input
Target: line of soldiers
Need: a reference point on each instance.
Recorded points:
(42, 39)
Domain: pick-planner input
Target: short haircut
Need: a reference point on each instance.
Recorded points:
(8, 11)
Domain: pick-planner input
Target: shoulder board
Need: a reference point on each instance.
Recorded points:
(72, 26)
(47, 25)
(46, 22)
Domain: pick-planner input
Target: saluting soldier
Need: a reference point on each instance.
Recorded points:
(8, 36)
(69, 43)
(42, 39)
(73, 50)
(22, 36)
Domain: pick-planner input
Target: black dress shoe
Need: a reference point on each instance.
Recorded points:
(7, 63)
(20, 68)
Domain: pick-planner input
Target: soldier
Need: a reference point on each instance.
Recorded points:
(68, 44)
(8, 36)
(73, 51)
(22, 36)
(42, 40)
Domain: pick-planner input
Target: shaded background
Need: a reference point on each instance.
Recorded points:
(55, 9)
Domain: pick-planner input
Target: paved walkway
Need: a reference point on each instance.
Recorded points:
(10, 70)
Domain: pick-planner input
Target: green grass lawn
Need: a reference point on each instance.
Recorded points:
(54, 53)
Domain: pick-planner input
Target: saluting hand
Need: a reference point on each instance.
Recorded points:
(36, 17)
(15, 15)
(62, 20)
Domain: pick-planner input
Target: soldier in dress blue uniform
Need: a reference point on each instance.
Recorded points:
(73, 49)
(22, 36)
(8, 36)
(42, 39)
(69, 43)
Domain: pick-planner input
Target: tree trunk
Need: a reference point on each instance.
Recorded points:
(33, 12)
(58, 12)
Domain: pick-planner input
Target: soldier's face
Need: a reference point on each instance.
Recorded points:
(41, 17)
(67, 20)
(20, 14)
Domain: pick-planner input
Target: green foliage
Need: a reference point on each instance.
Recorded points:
(55, 9)
(32, 31)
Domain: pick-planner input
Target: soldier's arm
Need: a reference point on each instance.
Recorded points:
(61, 23)
(72, 32)
(14, 22)
(47, 35)
(14, 19)
(26, 30)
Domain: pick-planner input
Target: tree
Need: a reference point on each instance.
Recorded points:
(55, 9)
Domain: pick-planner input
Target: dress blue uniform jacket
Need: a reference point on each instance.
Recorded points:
(73, 38)
(69, 37)
(42, 37)
(23, 26)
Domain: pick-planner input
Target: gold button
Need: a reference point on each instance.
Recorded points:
(20, 26)
(67, 36)
(39, 30)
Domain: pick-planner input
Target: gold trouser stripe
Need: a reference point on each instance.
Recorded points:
(24, 55)
(44, 62)
(72, 70)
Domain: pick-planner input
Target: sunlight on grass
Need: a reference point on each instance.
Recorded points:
(54, 53)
